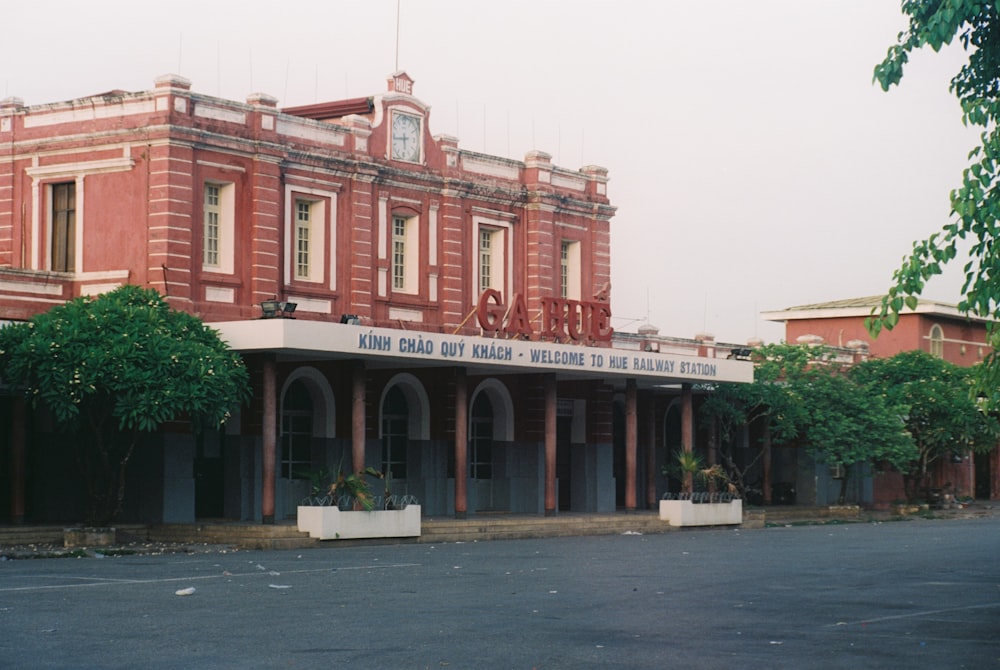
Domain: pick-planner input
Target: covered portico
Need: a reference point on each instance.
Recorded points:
(546, 365)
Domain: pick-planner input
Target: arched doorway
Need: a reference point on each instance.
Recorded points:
(481, 452)
(404, 430)
(295, 445)
(306, 428)
(395, 434)
(491, 432)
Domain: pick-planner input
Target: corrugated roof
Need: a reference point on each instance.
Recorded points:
(861, 307)
(323, 111)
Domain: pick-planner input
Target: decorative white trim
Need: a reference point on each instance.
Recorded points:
(506, 229)
(74, 169)
(327, 235)
(312, 131)
(432, 231)
(503, 408)
(30, 287)
(324, 403)
(417, 401)
(220, 294)
(491, 168)
(383, 228)
(222, 166)
(98, 289)
(560, 180)
(313, 305)
(401, 314)
(219, 114)
(89, 113)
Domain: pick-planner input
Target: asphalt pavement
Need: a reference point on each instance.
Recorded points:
(904, 594)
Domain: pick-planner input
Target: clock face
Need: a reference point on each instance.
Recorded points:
(405, 137)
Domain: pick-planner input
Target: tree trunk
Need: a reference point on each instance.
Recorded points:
(766, 464)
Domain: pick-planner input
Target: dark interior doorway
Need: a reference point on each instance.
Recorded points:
(209, 476)
(564, 466)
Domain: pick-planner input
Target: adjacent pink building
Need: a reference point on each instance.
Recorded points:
(933, 327)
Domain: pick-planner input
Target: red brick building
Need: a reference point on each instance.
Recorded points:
(451, 319)
(933, 327)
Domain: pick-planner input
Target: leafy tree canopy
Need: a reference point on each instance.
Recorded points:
(772, 394)
(936, 402)
(112, 366)
(849, 423)
(975, 203)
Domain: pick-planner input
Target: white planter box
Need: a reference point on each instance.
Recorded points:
(330, 523)
(687, 513)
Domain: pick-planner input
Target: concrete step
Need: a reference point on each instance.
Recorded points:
(499, 527)
(241, 535)
(53, 534)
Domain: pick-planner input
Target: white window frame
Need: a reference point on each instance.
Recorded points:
(51, 196)
(226, 245)
(304, 224)
(502, 257)
(936, 338)
(322, 239)
(42, 176)
(570, 269)
(410, 277)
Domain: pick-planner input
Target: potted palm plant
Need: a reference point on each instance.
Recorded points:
(709, 507)
(341, 506)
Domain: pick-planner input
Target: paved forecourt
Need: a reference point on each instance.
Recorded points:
(913, 594)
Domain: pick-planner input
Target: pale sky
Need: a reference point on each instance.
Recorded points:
(754, 164)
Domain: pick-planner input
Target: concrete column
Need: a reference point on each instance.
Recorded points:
(358, 416)
(687, 430)
(631, 438)
(17, 469)
(461, 443)
(269, 435)
(550, 445)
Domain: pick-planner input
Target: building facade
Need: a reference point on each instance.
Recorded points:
(441, 315)
(935, 328)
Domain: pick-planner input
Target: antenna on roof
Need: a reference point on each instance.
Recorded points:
(180, 48)
(288, 67)
(396, 69)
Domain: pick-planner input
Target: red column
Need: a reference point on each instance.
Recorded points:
(550, 445)
(269, 435)
(631, 432)
(17, 471)
(358, 416)
(461, 443)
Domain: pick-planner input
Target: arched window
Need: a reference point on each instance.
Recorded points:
(296, 431)
(395, 423)
(481, 438)
(937, 341)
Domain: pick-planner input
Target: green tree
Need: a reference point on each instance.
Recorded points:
(112, 367)
(975, 204)
(801, 395)
(850, 424)
(769, 401)
(936, 402)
